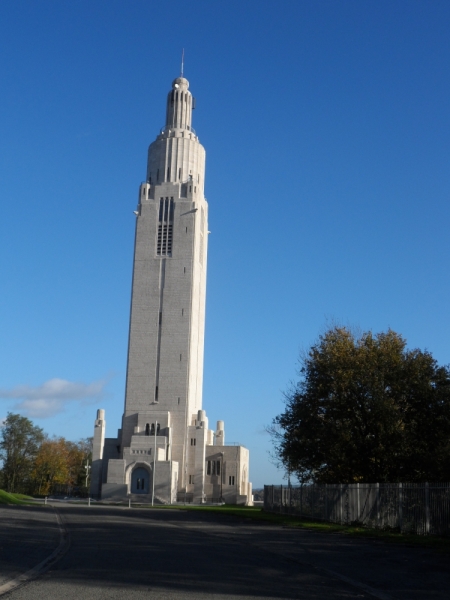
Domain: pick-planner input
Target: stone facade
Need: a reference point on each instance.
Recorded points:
(165, 451)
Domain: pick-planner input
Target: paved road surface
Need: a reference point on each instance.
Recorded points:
(118, 553)
(28, 534)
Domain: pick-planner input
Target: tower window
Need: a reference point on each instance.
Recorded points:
(178, 400)
(168, 173)
(231, 480)
(179, 174)
(165, 227)
(147, 429)
(156, 395)
(193, 442)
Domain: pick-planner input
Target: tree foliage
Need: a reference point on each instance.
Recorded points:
(19, 444)
(366, 409)
(36, 464)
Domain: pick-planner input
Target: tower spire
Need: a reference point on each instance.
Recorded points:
(182, 64)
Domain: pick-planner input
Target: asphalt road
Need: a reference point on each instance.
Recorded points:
(118, 553)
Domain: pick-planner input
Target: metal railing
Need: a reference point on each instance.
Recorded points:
(421, 508)
(170, 127)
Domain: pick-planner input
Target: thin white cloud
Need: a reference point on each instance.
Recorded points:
(51, 397)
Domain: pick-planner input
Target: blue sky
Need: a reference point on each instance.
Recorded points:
(327, 131)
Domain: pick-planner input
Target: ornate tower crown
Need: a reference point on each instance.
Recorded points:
(179, 105)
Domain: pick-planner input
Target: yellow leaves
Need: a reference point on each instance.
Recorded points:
(57, 462)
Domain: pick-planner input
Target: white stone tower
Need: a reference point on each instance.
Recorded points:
(164, 437)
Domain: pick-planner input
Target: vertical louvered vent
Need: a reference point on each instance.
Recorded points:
(165, 227)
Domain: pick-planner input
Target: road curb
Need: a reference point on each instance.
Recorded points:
(39, 569)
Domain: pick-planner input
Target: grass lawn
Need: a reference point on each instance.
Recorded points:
(6, 498)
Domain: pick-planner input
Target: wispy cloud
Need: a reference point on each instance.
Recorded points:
(51, 397)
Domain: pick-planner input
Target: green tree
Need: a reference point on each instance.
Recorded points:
(366, 409)
(20, 441)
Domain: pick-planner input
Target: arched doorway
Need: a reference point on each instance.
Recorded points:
(140, 480)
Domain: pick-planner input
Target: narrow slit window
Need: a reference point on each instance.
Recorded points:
(165, 227)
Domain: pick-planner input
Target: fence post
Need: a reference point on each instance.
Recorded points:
(358, 503)
(273, 497)
(341, 507)
(301, 499)
(400, 506)
(326, 503)
(427, 508)
(312, 500)
(377, 500)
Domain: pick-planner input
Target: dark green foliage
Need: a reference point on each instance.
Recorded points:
(366, 409)
(19, 444)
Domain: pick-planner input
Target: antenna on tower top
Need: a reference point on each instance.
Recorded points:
(182, 64)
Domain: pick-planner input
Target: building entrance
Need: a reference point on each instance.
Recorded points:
(140, 480)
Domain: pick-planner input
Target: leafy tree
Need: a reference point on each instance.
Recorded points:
(51, 465)
(60, 464)
(366, 409)
(19, 444)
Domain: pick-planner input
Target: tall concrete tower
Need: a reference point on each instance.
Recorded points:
(161, 450)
